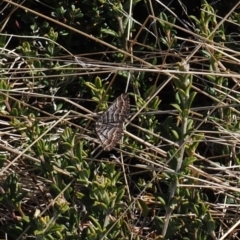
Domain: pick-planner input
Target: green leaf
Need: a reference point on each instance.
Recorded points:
(55, 228)
(176, 106)
(98, 83)
(95, 222)
(187, 161)
(175, 134)
(110, 32)
(120, 193)
(79, 149)
(191, 98)
(143, 207)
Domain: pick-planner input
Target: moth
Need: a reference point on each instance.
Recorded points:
(109, 126)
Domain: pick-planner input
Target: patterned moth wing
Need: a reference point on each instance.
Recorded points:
(118, 111)
(109, 126)
(109, 135)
